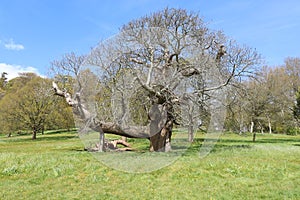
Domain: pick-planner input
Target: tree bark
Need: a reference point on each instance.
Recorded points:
(101, 141)
(270, 126)
(191, 133)
(161, 142)
(114, 144)
(254, 137)
(251, 127)
(34, 132)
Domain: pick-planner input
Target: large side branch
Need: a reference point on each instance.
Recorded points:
(97, 125)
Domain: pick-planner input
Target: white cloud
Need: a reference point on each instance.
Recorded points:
(14, 70)
(11, 45)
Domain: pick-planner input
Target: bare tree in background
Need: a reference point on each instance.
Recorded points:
(172, 62)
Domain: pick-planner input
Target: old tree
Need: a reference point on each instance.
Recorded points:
(161, 71)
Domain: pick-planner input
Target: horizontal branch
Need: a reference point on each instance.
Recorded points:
(97, 125)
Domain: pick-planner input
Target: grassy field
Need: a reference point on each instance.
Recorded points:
(56, 167)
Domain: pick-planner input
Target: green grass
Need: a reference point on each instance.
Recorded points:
(56, 167)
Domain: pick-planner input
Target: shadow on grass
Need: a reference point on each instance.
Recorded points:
(224, 144)
(197, 146)
(40, 138)
(60, 131)
(277, 140)
(260, 140)
(55, 138)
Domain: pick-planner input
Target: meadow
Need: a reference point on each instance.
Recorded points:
(55, 166)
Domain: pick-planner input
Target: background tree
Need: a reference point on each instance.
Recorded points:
(269, 99)
(34, 104)
(9, 121)
(30, 105)
(292, 66)
(296, 111)
(3, 82)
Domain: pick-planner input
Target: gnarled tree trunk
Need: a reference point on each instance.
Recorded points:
(162, 140)
(161, 125)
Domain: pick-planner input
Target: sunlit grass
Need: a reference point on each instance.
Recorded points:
(56, 167)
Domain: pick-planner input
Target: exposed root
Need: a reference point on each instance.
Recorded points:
(111, 146)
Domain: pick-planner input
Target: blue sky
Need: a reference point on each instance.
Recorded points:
(35, 32)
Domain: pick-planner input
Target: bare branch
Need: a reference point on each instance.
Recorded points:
(96, 125)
